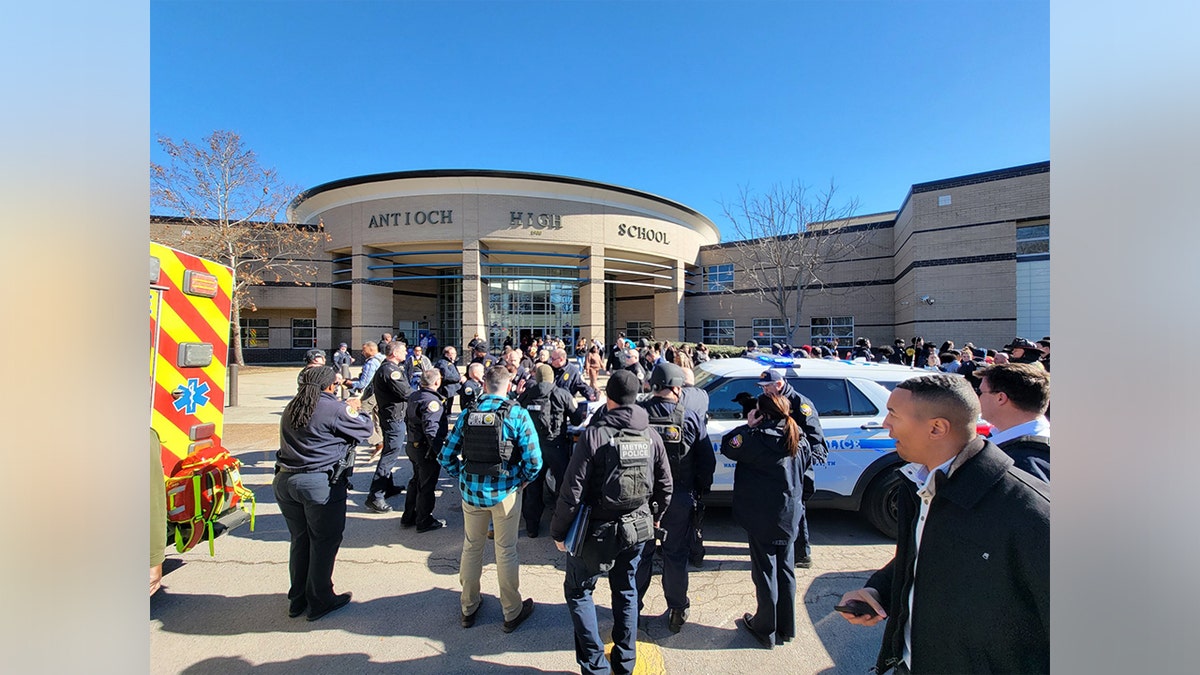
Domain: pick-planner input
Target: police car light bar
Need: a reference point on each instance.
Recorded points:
(772, 360)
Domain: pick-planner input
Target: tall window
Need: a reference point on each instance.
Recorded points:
(635, 330)
(770, 330)
(840, 328)
(255, 333)
(718, 278)
(718, 331)
(304, 333)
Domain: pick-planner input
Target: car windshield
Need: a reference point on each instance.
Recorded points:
(703, 377)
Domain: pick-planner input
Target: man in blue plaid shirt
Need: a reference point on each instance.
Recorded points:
(493, 451)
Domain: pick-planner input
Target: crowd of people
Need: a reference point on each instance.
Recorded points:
(628, 486)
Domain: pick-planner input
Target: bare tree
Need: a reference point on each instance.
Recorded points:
(225, 204)
(787, 238)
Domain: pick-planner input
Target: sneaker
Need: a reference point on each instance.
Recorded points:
(526, 610)
(377, 506)
(805, 562)
(433, 525)
(339, 601)
(676, 618)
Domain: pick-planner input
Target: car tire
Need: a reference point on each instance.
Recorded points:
(879, 502)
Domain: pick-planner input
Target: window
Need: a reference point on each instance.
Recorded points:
(718, 332)
(833, 397)
(840, 328)
(770, 330)
(304, 333)
(718, 278)
(1033, 240)
(636, 330)
(255, 333)
(829, 396)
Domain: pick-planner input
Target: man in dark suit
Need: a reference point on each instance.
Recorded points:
(969, 587)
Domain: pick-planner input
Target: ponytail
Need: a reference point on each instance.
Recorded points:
(778, 410)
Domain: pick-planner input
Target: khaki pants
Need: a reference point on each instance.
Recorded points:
(506, 516)
(369, 407)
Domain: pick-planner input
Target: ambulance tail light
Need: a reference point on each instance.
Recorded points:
(200, 283)
(200, 432)
(198, 446)
(195, 354)
(155, 268)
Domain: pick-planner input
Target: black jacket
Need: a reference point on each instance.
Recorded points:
(334, 428)
(569, 378)
(768, 483)
(423, 421)
(982, 595)
(391, 391)
(583, 460)
(693, 472)
(451, 379)
(561, 412)
(1030, 454)
(805, 414)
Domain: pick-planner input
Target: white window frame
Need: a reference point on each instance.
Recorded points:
(825, 328)
(299, 341)
(717, 332)
(258, 324)
(718, 278)
(769, 329)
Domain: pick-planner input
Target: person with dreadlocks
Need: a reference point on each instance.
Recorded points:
(317, 438)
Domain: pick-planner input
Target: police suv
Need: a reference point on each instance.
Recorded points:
(851, 400)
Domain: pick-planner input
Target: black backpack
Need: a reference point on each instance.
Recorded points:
(622, 476)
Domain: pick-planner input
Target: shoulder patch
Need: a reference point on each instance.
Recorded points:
(351, 412)
(566, 376)
(434, 407)
(806, 409)
(395, 375)
(736, 441)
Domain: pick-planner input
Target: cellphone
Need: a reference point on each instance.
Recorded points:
(857, 608)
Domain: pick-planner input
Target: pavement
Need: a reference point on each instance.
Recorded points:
(228, 613)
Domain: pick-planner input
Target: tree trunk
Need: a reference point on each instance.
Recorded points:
(236, 321)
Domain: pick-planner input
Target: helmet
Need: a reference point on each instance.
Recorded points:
(666, 375)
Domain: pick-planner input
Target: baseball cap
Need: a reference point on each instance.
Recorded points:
(1022, 343)
(313, 354)
(769, 377)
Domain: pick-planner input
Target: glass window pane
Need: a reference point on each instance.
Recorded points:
(829, 396)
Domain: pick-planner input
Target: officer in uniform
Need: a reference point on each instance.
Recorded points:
(805, 414)
(482, 357)
(391, 393)
(617, 445)
(318, 435)
(552, 409)
(451, 383)
(692, 465)
(567, 375)
(695, 398)
(424, 443)
(472, 386)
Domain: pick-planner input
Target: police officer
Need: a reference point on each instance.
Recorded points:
(424, 443)
(567, 375)
(695, 398)
(472, 386)
(492, 451)
(312, 358)
(768, 483)
(391, 394)
(551, 409)
(616, 446)
(805, 414)
(482, 357)
(451, 383)
(692, 464)
(317, 436)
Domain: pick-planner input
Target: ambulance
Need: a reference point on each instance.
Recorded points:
(190, 304)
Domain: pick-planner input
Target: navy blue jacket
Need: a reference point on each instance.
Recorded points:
(568, 377)
(768, 483)
(333, 429)
(693, 472)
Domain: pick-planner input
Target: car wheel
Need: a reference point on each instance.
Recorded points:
(879, 503)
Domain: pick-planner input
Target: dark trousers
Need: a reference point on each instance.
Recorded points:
(418, 503)
(577, 589)
(383, 484)
(771, 567)
(532, 504)
(803, 547)
(315, 513)
(677, 521)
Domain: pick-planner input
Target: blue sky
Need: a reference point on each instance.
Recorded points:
(688, 100)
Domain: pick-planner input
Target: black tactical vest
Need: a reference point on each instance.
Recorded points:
(624, 484)
(485, 450)
(670, 428)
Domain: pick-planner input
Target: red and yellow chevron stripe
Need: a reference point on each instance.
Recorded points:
(186, 397)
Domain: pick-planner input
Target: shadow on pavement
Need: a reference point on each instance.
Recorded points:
(358, 663)
(852, 648)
